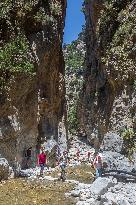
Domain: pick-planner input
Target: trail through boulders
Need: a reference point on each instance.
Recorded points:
(80, 187)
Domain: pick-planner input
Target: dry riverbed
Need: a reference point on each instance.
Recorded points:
(20, 192)
(38, 192)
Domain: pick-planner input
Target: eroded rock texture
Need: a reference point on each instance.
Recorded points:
(32, 95)
(108, 98)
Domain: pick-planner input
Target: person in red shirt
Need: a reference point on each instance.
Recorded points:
(42, 161)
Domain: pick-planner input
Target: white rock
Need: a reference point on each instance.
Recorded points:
(85, 195)
(124, 202)
(82, 203)
(67, 194)
(112, 142)
(4, 169)
(75, 193)
(101, 185)
(115, 160)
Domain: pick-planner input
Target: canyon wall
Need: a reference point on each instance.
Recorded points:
(32, 92)
(108, 96)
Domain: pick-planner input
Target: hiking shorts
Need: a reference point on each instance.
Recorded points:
(42, 166)
(99, 172)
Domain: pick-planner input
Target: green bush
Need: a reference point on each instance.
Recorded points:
(56, 8)
(14, 56)
(75, 57)
(5, 6)
(72, 119)
(129, 142)
(134, 85)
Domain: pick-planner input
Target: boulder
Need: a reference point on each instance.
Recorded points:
(101, 185)
(115, 160)
(112, 142)
(120, 194)
(75, 193)
(4, 169)
(124, 202)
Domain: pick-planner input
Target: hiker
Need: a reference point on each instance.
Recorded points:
(42, 161)
(63, 169)
(28, 156)
(89, 156)
(78, 154)
(65, 155)
(97, 163)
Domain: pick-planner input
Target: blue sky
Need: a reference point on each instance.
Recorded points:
(74, 20)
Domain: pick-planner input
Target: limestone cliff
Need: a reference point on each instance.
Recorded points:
(108, 97)
(31, 74)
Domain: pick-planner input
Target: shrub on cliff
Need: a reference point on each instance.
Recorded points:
(20, 20)
(74, 55)
(129, 142)
(14, 56)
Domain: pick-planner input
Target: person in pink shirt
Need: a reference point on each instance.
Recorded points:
(97, 163)
(42, 161)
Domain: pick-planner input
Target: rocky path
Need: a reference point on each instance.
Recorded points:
(46, 190)
(109, 190)
(105, 191)
(79, 188)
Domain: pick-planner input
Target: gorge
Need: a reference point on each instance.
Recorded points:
(85, 89)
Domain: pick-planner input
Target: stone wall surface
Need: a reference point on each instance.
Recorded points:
(4, 169)
(108, 96)
(32, 105)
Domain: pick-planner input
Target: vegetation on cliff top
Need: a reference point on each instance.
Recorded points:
(129, 142)
(117, 30)
(74, 55)
(14, 56)
(20, 19)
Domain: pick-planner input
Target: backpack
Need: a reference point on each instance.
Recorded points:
(98, 160)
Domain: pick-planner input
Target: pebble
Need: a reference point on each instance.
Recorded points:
(103, 191)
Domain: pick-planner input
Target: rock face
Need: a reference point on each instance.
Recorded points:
(112, 142)
(32, 95)
(100, 190)
(4, 169)
(108, 98)
(115, 161)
